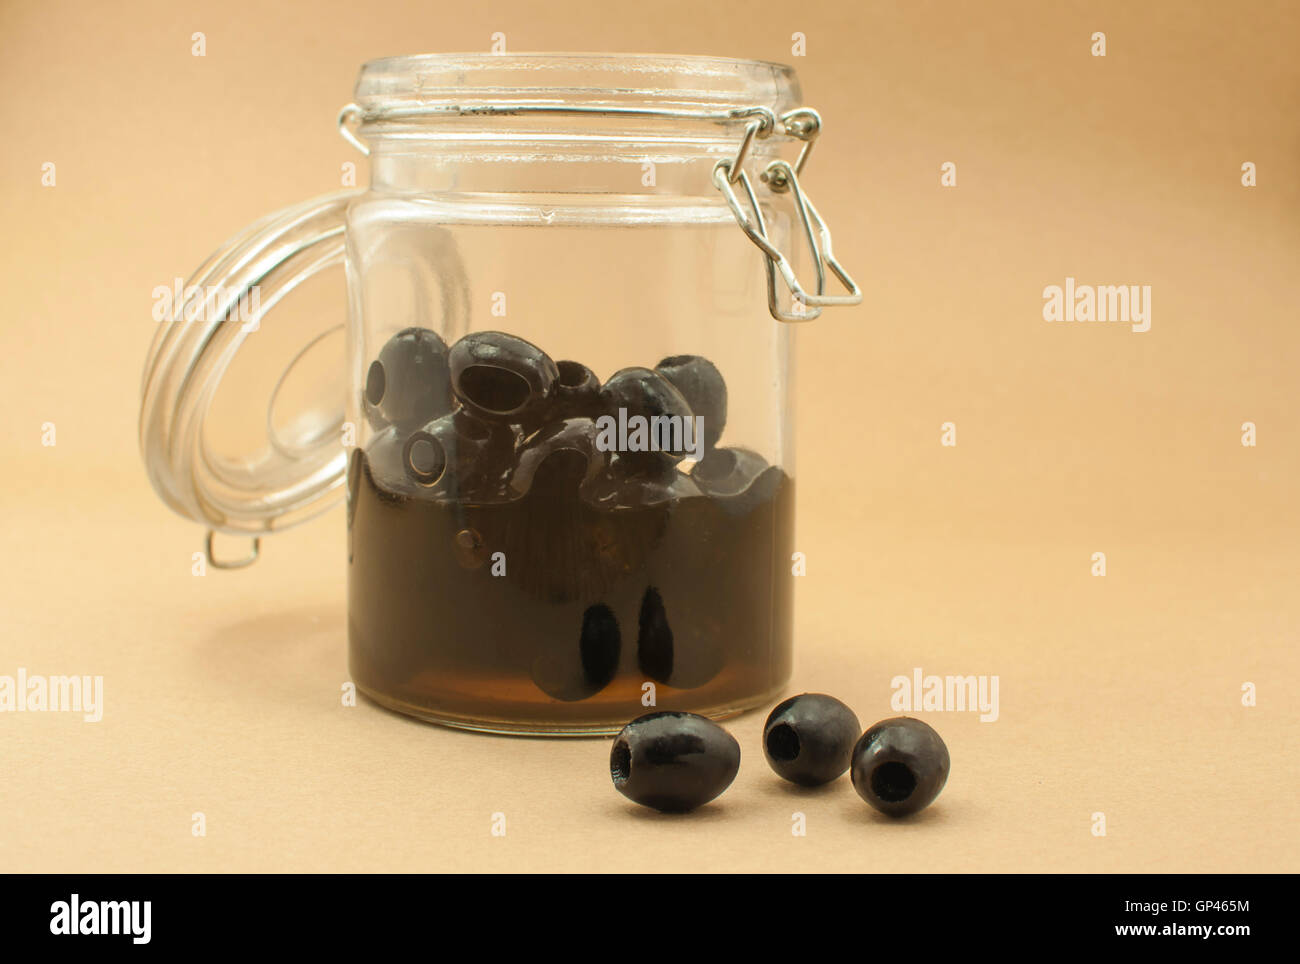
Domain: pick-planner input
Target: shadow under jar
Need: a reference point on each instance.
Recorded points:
(570, 477)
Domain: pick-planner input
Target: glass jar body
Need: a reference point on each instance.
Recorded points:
(521, 557)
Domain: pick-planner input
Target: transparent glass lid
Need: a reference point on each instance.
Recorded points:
(242, 411)
(468, 79)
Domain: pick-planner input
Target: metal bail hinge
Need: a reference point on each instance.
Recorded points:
(216, 563)
(782, 176)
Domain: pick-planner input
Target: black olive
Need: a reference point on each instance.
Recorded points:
(737, 479)
(384, 452)
(640, 480)
(685, 656)
(494, 461)
(428, 455)
(502, 378)
(575, 667)
(577, 393)
(809, 739)
(409, 383)
(654, 641)
(564, 453)
(673, 762)
(457, 455)
(701, 384)
(900, 765)
(669, 432)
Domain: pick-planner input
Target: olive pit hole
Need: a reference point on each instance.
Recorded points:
(425, 458)
(893, 782)
(572, 374)
(783, 743)
(496, 390)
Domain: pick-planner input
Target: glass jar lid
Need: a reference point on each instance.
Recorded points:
(455, 81)
(250, 441)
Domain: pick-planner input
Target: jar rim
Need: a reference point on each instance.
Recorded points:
(476, 79)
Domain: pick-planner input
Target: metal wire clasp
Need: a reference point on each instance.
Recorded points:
(350, 117)
(782, 176)
(216, 563)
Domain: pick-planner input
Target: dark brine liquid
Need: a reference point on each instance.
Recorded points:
(552, 614)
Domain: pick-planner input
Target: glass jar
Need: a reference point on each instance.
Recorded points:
(559, 410)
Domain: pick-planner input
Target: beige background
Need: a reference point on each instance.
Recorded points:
(1118, 694)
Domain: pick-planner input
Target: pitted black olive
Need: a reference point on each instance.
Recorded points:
(701, 384)
(457, 454)
(374, 417)
(409, 383)
(809, 739)
(425, 456)
(640, 480)
(900, 765)
(654, 641)
(564, 453)
(737, 478)
(495, 461)
(575, 666)
(577, 393)
(665, 428)
(502, 378)
(673, 762)
(679, 641)
(683, 656)
(384, 453)
(728, 472)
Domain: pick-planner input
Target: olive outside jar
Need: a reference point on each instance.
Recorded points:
(559, 410)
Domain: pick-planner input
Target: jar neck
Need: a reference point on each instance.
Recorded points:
(626, 162)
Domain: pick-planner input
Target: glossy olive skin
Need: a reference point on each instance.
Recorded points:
(409, 383)
(649, 394)
(809, 739)
(640, 479)
(578, 667)
(386, 452)
(737, 478)
(564, 451)
(672, 651)
(701, 384)
(502, 378)
(900, 765)
(459, 455)
(673, 762)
